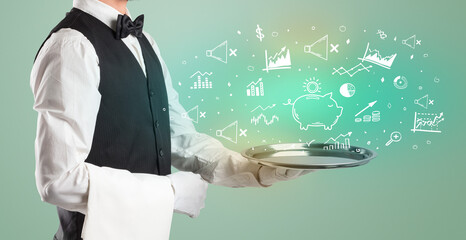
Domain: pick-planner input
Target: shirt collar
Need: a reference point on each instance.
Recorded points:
(100, 10)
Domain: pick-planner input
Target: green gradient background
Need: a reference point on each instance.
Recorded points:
(403, 194)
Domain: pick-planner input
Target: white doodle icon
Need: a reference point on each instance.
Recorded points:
(319, 48)
(243, 133)
(201, 83)
(316, 111)
(219, 53)
(427, 122)
(281, 60)
(336, 144)
(394, 137)
(229, 133)
(368, 106)
(192, 112)
(262, 116)
(259, 35)
(257, 120)
(373, 56)
(255, 88)
(334, 48)
(400, 82)
(375, 117)
(424, 101)
(347, 90)
(411, 42)
(262, 108)
(381, 34)
(312, 85)
(351, 72)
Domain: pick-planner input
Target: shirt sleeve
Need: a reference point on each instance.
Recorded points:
(64, 80)
(201, 153)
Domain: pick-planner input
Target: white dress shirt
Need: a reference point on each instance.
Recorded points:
(65, 80)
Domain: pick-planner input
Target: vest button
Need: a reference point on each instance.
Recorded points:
(164, 109)
(157, 124)
(152, 93)
(161, 153)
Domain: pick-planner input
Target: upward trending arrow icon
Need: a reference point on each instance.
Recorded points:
(370, 105)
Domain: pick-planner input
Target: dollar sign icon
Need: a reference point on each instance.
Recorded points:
(259, 35)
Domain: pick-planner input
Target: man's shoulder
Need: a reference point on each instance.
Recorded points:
(66, 40)
(68, 35)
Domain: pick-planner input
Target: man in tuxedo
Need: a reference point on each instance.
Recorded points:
(109, 129)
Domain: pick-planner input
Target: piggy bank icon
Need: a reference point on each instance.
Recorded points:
(316, 111)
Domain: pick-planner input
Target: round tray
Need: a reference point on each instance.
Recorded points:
(304, 156)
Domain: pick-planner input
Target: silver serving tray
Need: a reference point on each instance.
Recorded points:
(304, 156)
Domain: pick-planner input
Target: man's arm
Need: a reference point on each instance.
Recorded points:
(203, 154)
(64, 81)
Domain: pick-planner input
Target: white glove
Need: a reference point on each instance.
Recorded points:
(190, 192)
(270, 175)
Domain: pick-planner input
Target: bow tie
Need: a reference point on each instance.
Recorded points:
(125, 26)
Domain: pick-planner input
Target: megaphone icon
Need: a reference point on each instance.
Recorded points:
(220, 52)
(410, 42)
(423, 102)
(194, 109)
(230, 132)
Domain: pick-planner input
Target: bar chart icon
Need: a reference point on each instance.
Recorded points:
(203, 81)
(336, 144)
(255, 89)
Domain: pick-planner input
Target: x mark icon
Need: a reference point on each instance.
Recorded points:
(334, 48)
(202, 114)
(243, 132)
(418, 42)
(431, 102)
(233, 52)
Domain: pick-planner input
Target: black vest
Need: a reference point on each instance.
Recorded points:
(132, 130)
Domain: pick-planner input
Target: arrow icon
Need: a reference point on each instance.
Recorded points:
(368, 106)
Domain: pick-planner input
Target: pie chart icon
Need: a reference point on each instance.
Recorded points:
(347, 90)
(400, 82)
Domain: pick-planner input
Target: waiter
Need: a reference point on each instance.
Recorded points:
(109, 128)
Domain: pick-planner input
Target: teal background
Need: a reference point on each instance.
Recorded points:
(403, 194)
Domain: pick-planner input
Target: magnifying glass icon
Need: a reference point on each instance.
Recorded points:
(394, 137)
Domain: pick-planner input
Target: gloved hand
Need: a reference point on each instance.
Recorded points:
(270, 175)
(190, 192)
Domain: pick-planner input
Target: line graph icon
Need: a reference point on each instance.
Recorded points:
(201, 83)
(374, 56)
(255, 88)
(281, 60)
(262, 108)
(267, 119)
(427, 122)
(337, 144)
(352, 71)
(257, 120)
